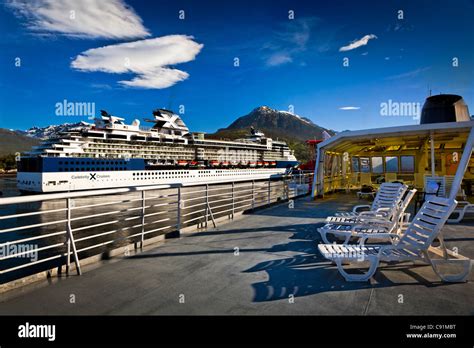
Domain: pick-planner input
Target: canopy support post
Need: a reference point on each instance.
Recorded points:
(433, 167)
(462, 166)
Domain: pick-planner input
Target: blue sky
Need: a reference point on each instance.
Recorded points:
(190, 62)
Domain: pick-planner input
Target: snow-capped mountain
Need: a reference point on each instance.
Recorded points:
(274, 123)
(50, 131)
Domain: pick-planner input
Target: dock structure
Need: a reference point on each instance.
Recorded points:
(265, 262)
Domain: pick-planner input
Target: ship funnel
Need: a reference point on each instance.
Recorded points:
(444, 108)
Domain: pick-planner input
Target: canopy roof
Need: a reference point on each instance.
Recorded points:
(448, 134)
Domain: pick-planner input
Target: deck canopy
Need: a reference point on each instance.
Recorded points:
(411, 154)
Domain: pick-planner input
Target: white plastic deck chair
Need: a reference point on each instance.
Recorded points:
(385, 203)
(380, 228)
(412, 246)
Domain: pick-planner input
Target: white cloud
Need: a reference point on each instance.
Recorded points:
(278, 59)
(290, 40)
(409, 74)
(358, 43)
(349, 108)
(112, 19)
(149, 59)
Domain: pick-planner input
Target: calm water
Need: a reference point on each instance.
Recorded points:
(8, 186)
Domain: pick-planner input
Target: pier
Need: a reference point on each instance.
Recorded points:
(262, 262)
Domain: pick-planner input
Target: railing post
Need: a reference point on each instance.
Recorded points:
(68, 241)
(253, 194)
(142, 238)
(71, 240)
(233, 199)
(178, 223)
(269, 192)
(207, 203)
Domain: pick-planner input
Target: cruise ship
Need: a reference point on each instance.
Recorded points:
(110, 154)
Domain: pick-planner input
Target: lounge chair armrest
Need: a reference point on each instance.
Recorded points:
(379, 236)
(380, 212)
(357, 207)
(374, 220)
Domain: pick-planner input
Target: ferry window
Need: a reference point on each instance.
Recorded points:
(364, 165)
(407, 164)
(355, 164)
(391, 164)
(377, 165)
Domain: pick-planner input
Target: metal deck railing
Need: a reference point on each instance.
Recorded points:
(47, 231)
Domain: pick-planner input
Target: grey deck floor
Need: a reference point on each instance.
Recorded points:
(277, 262)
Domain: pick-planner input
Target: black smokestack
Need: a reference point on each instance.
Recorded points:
(444, 108)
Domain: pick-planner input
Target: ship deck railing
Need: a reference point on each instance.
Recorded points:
(55, 233)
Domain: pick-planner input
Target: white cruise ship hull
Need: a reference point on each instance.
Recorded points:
(75, 181)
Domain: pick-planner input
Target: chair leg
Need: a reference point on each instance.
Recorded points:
(323, 233)
(452, 278)
(374, 262)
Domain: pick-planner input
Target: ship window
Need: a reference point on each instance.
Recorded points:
(66, 162)
(60, 162)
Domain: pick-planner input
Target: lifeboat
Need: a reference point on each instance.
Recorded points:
(273, 163)
(266, 164)
(182, 163)
(214, 163)
(252, 164)
(225, 164)
(259, 164)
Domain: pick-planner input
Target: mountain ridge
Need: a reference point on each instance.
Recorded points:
(283, 125)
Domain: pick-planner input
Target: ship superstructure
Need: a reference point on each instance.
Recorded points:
(110, 153)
